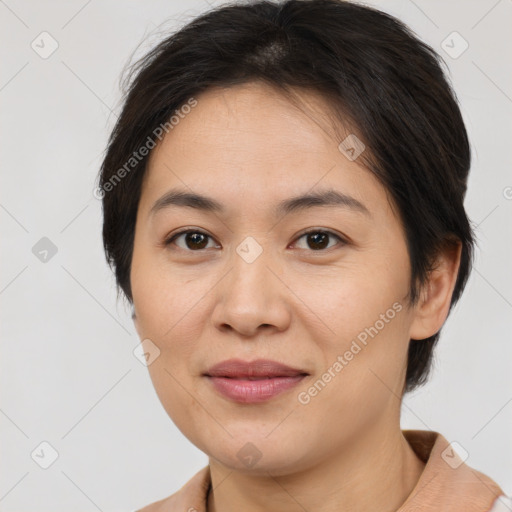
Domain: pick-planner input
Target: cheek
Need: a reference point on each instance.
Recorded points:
(173, 311)
(177, 394)
(345, 301)
(360, 325)
(171, 314)
(360, 380)
(163, 296)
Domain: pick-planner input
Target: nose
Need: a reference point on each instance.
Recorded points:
(252, 298)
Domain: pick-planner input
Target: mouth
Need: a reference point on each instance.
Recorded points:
(253, 382)
(248, 377)
(253, 370)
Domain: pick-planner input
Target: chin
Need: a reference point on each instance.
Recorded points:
(259, 454)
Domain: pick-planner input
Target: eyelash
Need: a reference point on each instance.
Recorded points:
(171, 239)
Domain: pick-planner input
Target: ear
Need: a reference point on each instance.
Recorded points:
(135, 321)
(433, 306)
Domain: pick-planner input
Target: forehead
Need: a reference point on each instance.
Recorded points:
(251, 115)
(250, 141)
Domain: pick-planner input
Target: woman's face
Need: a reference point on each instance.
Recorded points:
(250, 284)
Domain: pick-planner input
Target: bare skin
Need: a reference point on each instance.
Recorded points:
(248, 148)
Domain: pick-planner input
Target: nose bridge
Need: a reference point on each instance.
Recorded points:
(251, 280)
(250, 295)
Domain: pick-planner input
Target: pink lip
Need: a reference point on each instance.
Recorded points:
(255, 381)
(253, 391)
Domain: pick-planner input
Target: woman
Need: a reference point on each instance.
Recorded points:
(283, 207)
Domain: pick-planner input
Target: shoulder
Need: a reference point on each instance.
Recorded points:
(502, 504)
(190, 497)
(447, 479)
(165, 505)
(157, 506)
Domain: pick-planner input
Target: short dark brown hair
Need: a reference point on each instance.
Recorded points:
(371, 68)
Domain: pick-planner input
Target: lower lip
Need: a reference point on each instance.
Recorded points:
(253, 391)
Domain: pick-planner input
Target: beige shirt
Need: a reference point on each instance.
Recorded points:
(447, 484)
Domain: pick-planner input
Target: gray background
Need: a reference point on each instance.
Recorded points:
(68, 373)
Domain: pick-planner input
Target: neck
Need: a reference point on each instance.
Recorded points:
(377, 472)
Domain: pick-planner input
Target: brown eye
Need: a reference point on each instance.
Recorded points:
(319, 240)
(193, 240)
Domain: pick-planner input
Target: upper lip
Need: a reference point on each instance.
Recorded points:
(258, 368)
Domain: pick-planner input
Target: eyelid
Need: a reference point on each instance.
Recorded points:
(343, 240)
(169, 239)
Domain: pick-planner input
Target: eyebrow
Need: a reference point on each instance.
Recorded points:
(327, 197)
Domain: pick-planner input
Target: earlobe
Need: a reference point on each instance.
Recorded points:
(135, 321)
(433, 306)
